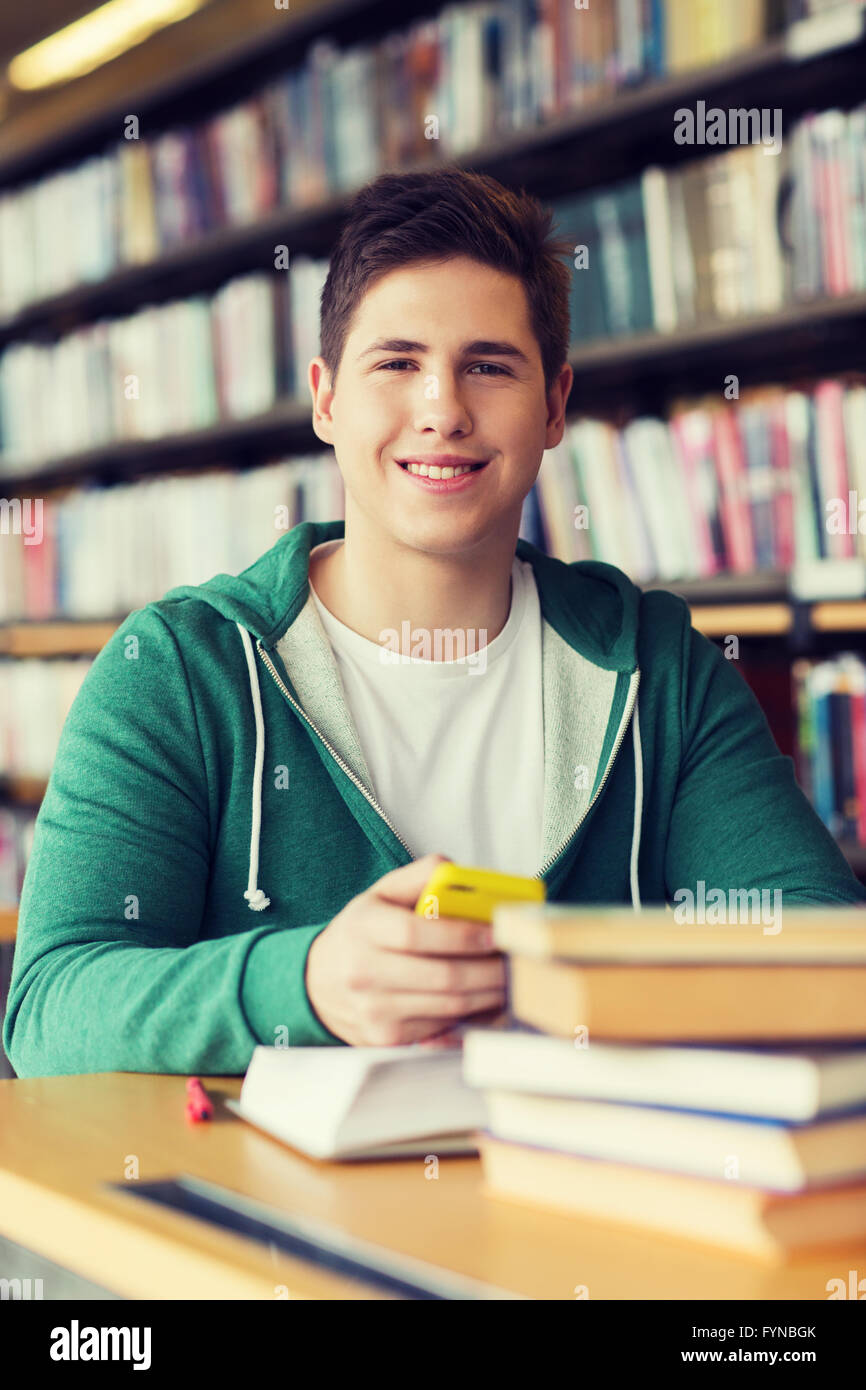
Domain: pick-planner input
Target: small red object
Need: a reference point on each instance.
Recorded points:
(198, 1105)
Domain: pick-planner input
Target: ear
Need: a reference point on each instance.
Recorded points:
(556, 401)
(321, 391)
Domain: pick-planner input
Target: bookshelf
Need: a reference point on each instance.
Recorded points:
(578, 150)
(235, 57)
(644, 369)
(218, 55)
(286, 428)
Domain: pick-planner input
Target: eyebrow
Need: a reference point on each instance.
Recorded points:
(484, 347)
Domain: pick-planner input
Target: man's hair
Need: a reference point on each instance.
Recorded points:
(433, 216)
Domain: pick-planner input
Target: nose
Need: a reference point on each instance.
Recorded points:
(440, 404)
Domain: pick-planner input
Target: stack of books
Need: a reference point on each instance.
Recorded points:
(705, 1078)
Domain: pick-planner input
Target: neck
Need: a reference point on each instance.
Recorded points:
(375, 584)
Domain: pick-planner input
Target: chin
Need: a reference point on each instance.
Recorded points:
(442, 539)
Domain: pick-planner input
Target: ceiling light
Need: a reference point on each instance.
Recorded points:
(95, 39)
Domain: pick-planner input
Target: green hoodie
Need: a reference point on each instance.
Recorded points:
(200, 777)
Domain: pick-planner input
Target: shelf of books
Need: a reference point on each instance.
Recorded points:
(716, 433)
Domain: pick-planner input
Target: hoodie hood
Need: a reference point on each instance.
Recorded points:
(589, 616)
(593, 606)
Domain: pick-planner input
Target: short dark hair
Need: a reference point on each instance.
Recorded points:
(433, 216)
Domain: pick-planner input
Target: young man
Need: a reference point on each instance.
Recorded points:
(252, 743)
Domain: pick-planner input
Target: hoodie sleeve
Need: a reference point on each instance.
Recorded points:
(740, 820)
(110, 971)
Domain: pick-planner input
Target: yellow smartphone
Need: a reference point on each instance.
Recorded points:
(457, 890)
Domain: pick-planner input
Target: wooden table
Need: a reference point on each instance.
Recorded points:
(62, 1137)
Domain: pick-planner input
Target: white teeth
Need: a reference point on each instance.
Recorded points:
(422, 470)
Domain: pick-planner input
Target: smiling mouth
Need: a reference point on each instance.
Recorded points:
(447, 472)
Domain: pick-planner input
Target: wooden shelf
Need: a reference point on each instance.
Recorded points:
(776, 619)
(649, 371)
(759, 606)
(22, 791)
(847, 616)
(8, 923)
(54, 638)
(743, 619)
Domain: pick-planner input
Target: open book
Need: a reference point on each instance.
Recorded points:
(362, 1102)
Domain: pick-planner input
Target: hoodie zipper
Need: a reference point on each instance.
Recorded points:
(610, 762)
(378, 809)
(334, 754)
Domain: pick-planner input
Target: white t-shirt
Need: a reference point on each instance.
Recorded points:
(455, 748)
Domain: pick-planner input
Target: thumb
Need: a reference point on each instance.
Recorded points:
(406, 884)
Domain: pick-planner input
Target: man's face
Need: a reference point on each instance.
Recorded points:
(440, 359)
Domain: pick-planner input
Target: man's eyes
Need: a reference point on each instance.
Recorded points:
(405, 362)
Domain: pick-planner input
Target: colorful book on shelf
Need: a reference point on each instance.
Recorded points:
(783, 507)
(832, 472)
(691, 438)
(830, 704)
(759, 480)
(734, 509)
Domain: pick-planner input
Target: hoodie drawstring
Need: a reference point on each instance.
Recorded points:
(638, 809)
(254, 895)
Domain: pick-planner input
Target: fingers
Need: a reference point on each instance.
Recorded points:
(441, 1041)
(396, 929)
(435, 1007)
(394, 971)
(453, 1036)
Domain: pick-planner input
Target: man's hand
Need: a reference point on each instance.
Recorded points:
(379, 975)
